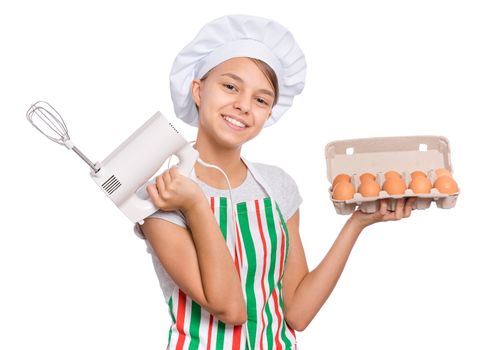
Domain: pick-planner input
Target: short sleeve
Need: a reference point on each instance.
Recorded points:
(175, 217)
(289, 197)
(284, 188)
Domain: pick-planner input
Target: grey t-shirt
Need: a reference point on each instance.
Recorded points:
(283, 187)
(284, 192)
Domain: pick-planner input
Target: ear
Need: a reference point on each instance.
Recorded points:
(196, 92)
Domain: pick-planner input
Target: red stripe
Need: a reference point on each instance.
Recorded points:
(210, 331)
(239, 242)
(212, 204)
(282, 262)
(264, 246)
(279, 319)
(291, 330)
(180, 320)
(237, 267)
(237, 330)
(237, 337)
(237, 239)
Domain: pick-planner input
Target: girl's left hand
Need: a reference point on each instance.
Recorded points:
(403, 209)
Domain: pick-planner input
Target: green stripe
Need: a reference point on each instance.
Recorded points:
(223, 224)
(269, 325)
(252, 266)
(273, 238)
(171, 310)
(194, 326)
(284, 337)
(286, 232)
(220, 337)
(223, 215)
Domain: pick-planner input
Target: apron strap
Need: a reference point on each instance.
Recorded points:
(255, 173)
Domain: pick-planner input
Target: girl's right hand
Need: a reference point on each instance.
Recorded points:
(174, 191)
(403, 210)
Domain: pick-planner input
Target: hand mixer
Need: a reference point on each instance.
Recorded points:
(123, 175)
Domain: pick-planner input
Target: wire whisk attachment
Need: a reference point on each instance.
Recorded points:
(53, 127)
(46, 119)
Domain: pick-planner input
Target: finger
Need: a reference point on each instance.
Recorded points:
(154, 195)
(399, 208)
(160, 184)
(409, 206)
(389, 216)
(412, 201)
(386, 215)
(167, 178)
(174, 172)
(383, 206)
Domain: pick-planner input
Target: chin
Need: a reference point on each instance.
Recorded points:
(231, 140)
(231, 144)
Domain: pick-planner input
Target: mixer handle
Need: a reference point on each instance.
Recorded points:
(187, 159)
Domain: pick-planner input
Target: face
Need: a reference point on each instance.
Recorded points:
(235, 101)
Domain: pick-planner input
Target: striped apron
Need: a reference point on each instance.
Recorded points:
(259, 247)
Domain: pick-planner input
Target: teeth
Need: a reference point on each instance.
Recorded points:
(233, 121)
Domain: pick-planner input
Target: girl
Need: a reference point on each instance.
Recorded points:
(235, 276)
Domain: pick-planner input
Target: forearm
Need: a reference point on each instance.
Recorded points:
(317, 285)
(220, 281)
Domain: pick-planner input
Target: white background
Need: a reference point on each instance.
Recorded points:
(73, 275)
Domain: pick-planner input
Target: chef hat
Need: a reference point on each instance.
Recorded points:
(238, 36)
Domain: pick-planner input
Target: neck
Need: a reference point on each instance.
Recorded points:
(228, 159)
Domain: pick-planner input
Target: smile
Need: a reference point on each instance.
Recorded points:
(234, 123)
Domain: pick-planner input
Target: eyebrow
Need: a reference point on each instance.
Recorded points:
(237, 78)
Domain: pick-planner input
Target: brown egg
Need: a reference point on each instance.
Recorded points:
(420, 184)
(443, 172)
(392, 174)
(417, 173)
(343, 191)
(369, 188)
(446, 184)
(340, 178)
(394, 186)
(367, 177)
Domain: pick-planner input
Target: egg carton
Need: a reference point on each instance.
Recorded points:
(381, 154)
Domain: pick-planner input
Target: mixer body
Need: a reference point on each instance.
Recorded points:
(124, 174)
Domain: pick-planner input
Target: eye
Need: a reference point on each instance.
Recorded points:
(262, 101)
(229, 86)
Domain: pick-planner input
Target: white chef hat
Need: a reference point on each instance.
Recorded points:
(238, 36)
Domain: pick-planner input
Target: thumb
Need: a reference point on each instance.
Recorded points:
(174, 172)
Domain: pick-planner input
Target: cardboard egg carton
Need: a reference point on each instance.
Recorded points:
(381, 154)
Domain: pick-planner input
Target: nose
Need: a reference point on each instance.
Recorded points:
(242, 103)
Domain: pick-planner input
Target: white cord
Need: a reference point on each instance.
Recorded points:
(202, 162)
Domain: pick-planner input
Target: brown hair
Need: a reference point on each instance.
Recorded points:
(267, 71)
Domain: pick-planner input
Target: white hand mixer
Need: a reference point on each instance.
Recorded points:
(124, 174)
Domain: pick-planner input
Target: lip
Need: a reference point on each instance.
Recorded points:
(237, 119)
